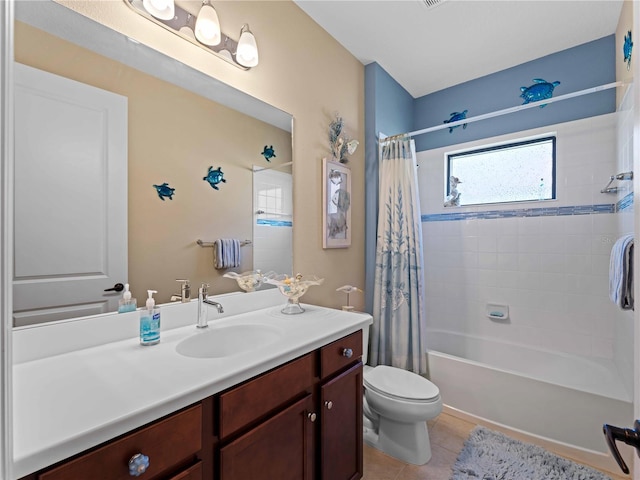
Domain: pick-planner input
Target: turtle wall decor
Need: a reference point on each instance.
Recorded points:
(627, 48)
(456, 116)
(268, 153)
(540, 90)
(164, 190)
(214, 177)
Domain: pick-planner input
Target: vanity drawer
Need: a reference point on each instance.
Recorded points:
(341, 353)
(191, 473)
(253, 399)
(167, 443)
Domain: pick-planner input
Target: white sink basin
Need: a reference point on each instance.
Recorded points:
(230, 340)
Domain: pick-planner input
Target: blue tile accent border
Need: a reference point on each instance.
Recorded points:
(625, 202)
(275, 223)
(524, 212)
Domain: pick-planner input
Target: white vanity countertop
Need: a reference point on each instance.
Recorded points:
(68, 402)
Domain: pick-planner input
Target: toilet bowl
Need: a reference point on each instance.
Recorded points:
(396, 406)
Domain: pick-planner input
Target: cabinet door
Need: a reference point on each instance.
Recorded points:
(281, 448)
(341, 426)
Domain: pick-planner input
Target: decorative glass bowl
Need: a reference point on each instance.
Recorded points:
(249, 281)
(293, 288)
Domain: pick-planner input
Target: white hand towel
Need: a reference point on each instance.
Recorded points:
(218, 254)
(621, 273)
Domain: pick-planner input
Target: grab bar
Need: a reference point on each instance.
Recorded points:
(613, 178)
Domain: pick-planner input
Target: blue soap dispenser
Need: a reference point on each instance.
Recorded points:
(127, 304)
(150, 321)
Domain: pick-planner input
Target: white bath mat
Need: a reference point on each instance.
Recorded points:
(489, 455)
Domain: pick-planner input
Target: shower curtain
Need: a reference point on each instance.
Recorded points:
(398, 330)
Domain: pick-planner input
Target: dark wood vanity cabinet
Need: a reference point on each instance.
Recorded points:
(303, 419)
(172, 445)
(300, 421)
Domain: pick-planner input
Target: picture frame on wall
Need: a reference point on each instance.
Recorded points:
(336, 204)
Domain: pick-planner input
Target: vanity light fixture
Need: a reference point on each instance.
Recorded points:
(162, 9)
(208, 26)
(202, 29)
(247, 53)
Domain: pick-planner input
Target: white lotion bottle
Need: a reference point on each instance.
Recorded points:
(150, 321)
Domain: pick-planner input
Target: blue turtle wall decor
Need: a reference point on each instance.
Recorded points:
(214, 177)
(164, 190)
(268, 153)
(627, 48)
(540, 90)
(455, 116)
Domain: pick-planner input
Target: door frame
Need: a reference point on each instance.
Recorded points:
(6, 235)
(636, 232)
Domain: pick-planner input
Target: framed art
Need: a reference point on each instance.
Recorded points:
(336, 205)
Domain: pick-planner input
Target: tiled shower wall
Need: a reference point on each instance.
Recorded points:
(548, 263)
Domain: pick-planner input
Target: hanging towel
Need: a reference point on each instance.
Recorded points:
(621, 273)
(226, 253)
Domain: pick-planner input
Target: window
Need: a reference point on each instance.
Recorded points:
(270, 199)
(514, 172)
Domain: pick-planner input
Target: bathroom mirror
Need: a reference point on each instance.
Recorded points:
(200, 137)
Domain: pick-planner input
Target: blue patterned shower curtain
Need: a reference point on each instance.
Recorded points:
(398, 330)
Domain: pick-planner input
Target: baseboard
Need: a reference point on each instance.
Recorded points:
(599, 460)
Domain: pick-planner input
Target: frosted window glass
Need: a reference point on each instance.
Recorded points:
(516, 172)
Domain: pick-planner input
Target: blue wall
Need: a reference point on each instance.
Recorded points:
(589, 65)
(388, 109)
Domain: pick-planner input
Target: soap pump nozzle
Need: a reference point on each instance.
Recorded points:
(151, 301)
(127, 294)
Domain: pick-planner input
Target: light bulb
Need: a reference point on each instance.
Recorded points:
(208, 26)
(162, 9)
(247, 53)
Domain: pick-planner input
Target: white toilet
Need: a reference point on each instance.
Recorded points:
(396, 406)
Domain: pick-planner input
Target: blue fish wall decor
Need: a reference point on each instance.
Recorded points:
(627, 48)
(164, 190)
(455, 116)
(214, 177)
(540, 90)
(268, 153)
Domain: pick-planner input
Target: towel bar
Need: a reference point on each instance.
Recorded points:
(210, 244)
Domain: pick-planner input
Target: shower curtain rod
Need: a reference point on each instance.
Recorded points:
(382, 137)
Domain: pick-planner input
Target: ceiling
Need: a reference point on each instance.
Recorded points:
(428, 49)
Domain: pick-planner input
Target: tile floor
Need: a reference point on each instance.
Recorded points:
(447, 435)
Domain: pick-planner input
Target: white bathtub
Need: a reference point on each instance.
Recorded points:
(562, 399)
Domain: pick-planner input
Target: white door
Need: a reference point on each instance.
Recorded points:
(70, 197)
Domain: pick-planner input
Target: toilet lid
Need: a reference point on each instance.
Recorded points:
(400, 383)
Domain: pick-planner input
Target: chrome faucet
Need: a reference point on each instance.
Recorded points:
(203, 301)
(185, 292)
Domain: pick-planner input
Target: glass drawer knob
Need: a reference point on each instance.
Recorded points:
(138, 464)
(347, 352)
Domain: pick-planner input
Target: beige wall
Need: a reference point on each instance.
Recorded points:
(174, 136)
(305, 72)
(624, 25)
